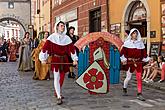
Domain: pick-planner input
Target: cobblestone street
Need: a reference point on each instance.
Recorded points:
(19, 92)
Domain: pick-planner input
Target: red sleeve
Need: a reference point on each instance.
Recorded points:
(47, 47)
(71, 49)
(144, 53)
(123, 51)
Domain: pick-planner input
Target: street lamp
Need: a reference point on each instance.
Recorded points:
(30, 26)
(10, 5)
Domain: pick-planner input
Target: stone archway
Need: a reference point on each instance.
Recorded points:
(126, 15)
(13, 19)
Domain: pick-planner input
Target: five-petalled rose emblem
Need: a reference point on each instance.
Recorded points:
(93, 79)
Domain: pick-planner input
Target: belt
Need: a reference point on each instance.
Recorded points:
(62, 60)
(134, 59)
(58, 55)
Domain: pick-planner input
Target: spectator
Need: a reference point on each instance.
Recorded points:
(41, 71)
(25, 62)
(3, 50)
(12, 50)
(74, 39)
(160, 69)
(148, 68)
(18, 45)
(8, 43)
(34, 42)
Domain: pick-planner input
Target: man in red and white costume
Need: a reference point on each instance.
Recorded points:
(133, 54)
(59, 46)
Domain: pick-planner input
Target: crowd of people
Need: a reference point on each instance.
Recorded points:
(9, 49)
(153, 69)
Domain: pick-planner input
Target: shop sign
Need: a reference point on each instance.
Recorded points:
(66, 17)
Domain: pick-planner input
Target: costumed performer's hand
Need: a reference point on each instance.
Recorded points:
(75, 63)
(124, 62)
(44, 62)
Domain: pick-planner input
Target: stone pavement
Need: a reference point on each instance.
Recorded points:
(19, 92)
(155, 84)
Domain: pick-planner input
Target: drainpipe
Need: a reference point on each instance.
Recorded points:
(108, 17)
(51, 15)
(30, 13)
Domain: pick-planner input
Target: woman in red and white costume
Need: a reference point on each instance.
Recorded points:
(133, 54)
(59, 46)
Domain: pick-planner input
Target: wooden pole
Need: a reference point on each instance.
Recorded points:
(60, 63)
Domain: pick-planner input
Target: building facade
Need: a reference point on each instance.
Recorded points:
(65, 10)
(41, 15)
(85, 16)
(93, 16)
(10, 30)
(114, 16)
(145, 15)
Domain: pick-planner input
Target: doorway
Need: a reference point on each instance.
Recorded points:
(137, 19)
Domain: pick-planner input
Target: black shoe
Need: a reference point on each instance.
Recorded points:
(140, 97)
(62, 97)
(125, 92)
(71, 75)
(59, 101)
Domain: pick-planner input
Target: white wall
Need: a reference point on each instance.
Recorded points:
(21, 12)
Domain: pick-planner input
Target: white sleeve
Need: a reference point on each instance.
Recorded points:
(43, 56)
(74, 56)
(122, 58)
(146, 59)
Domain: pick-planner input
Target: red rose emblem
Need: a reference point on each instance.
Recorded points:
(93, 79)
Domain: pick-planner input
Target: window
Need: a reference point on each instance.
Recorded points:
(16, 33)
(95, 20)
(42, 28)
(138, 12)
(55, 2)
(43, 2)
(7, 34)
(163, 20)
(58, 2)
(13, 32)
(49, 26)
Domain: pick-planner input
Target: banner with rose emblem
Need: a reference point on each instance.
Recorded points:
(93, 79)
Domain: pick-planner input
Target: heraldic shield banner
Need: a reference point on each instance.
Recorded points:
(93, 79)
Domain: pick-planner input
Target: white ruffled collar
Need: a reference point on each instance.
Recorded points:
(60, 39)
(134, 44)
